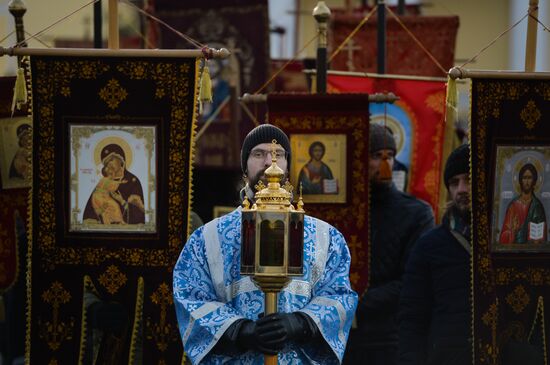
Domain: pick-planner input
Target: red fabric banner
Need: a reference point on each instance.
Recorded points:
(417, 121)
(404, 56)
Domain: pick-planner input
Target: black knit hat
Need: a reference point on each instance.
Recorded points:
(264, 133)
(457, 163)
(380, 138)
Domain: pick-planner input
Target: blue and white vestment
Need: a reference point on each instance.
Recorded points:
(210, 294)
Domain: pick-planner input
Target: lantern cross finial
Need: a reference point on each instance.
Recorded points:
(273, 151)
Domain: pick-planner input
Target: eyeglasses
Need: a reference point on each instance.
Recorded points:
(262, 154)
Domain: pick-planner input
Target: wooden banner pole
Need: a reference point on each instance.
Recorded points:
(113, 42)
(98, 23)
(531, 44)
(461, 73)
(373, 98)
(105, 52)
(321, 13)
(17, 8)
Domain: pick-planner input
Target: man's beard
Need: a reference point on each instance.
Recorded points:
(527, 189)
(377, 182)
(462, 204)
(254, 180)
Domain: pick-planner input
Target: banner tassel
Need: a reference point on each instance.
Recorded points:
(19, 91)
(205, 92)
(451, 102)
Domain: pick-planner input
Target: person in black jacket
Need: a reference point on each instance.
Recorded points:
(396, 220)
(434, 309)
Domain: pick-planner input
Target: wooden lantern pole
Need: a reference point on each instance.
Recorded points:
(271, 287)
(270, 303)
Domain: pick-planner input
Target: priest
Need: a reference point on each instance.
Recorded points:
(221, 313)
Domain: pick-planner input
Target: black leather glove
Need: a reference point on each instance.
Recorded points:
(275, 330)
(240, 337)
(267, 335)
(249, 339)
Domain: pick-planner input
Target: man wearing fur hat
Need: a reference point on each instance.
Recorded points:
(396, 221)
(434, 312)
(220, 312)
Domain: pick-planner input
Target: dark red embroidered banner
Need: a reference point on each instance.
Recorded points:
(338, 192)
(404, 56)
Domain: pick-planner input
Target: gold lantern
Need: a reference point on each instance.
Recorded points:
(272, 244)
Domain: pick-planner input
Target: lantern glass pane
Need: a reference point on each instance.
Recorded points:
(296, 248)
(248, 245)
(272, 235)
(296, 244)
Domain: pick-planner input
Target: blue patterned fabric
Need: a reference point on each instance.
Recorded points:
(210, 294)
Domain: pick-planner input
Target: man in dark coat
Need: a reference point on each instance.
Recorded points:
(434, 310)
(396, 220)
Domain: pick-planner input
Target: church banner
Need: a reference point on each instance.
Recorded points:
(15, 133)
(333, 129)
(14, 204)
(511, 205)
(404, 56)
(243, 28)
(111, 196)
(423, 139)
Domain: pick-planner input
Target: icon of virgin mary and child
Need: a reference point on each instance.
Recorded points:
(118, 196)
